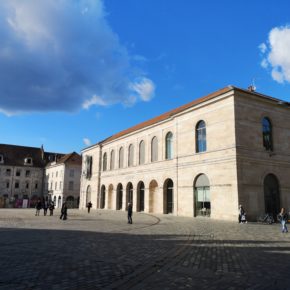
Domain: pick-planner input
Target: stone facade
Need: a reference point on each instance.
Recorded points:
(21, 174)
(217, 160)
(62, 180)
(24, 176)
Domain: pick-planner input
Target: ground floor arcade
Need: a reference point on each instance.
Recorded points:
(201, 198)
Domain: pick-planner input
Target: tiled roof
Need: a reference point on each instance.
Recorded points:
(173, 112)
(14, 155)
(168, 115)
(72, 158)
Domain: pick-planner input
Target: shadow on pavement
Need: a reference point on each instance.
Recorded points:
(69, 259)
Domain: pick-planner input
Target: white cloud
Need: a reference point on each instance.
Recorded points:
(87, 141)
(277, 57)
(263, 47)
(63, 56)
(145, 88)
(95, 100)
(264, 63)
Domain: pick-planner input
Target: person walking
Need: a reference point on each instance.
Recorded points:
(63, 211)
(89, 206)
(38, 207)
(51, 208)
(283, 218)
(45, 207)
(130, 212)
(242, 215)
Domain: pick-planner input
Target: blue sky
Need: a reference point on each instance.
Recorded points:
(75, 72)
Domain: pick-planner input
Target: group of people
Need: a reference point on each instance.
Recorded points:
(242, 218)
(45, 205)
(282, 217)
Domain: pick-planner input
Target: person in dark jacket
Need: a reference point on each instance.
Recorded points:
(51, 208)
(45, 207)
(63, 211)
(130, 212)
(283, 218)
(38, 207)
(89, 206)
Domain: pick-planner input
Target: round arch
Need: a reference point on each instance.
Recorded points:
(119, 197)
(202, 199)
(200, 136)
(103, 196)
(140, 196)
(168, 199)
(129, 194)
(271, 194)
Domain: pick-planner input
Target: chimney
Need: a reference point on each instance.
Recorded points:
(42, 152)
(251, 88)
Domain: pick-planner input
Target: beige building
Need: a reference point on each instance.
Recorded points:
(62, 180)
(202, 159)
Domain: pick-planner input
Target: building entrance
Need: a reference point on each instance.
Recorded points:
(271, 195)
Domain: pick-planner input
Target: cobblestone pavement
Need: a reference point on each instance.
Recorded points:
(101, 251)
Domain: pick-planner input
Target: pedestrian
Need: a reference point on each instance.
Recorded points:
(51, 208)
(63, 211)
(38, 207)
(130, 212)
(45, 207)
(283, 218)
(242, 215)
(89, 205)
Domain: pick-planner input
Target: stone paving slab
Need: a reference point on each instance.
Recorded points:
(101, 251)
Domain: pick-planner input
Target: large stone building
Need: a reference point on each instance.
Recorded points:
(202, 159)
(23, 172)
(62, 180)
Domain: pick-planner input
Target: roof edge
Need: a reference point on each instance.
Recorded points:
(167, 115)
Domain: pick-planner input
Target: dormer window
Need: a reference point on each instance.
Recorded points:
(1, 159)
(28, 161)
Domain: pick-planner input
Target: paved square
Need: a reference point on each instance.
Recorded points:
(101, 251)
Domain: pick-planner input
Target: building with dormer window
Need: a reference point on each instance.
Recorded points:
(62, 180)
(202, 159)
(22, 174)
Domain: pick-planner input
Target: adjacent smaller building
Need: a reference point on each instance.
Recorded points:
(62, 180)
(29, 173)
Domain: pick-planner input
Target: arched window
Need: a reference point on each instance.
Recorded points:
(154, 149)
(88, 194)
(142, 152)
(131, 155)
(88, 166)
(200, 132)
(140, 196)
(105, 162)
(112, 160)
(121, 157)
(267, 134)
(168, 199)
(169, 146)
(202, 196)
